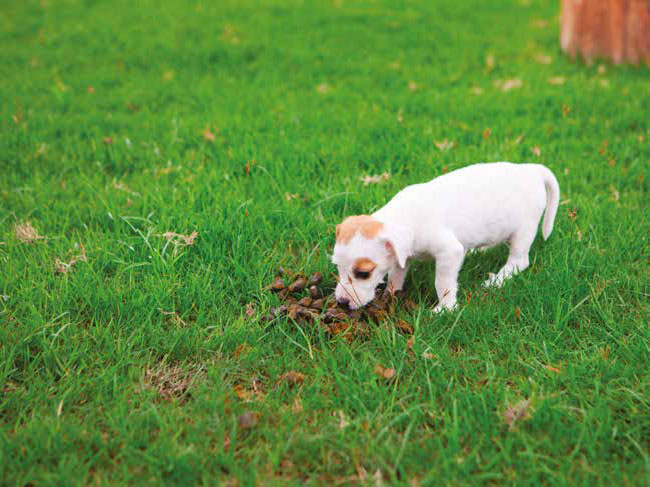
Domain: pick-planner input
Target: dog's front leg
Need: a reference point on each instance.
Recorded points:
(448, 263)
(396, 279)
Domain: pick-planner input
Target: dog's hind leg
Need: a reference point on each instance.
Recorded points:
(520, 244)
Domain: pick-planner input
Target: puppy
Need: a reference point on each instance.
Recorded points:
(475, 207)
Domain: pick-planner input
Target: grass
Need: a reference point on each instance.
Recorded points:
(121, 121)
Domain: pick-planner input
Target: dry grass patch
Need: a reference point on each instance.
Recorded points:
(63, 267)
(26, 233)
(172, 381)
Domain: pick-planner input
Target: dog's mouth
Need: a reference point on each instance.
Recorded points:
(354, 299)
(349, 304)
(352, 305)
(351, 300)
(358, 302)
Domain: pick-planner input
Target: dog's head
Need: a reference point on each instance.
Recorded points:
(365, 251)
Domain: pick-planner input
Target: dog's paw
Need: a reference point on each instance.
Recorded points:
(444, 308)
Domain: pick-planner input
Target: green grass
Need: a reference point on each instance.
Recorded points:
(312, 96)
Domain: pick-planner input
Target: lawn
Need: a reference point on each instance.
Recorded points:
(129, 355)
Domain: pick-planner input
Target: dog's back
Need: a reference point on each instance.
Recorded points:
(482, 204)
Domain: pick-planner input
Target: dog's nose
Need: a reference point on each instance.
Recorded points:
(344, 301)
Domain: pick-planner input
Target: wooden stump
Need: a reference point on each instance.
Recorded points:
(618, 30)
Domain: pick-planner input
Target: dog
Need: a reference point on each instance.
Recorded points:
(475, 207)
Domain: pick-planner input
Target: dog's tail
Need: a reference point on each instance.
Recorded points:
(552, 201)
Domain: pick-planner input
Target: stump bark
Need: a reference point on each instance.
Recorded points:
(617, 30)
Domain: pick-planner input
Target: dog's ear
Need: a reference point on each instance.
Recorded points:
(398, 240)
(338, 231)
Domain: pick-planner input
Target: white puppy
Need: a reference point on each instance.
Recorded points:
(474, 207)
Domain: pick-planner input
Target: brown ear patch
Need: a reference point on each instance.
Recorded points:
(364, 265)
(364, 224)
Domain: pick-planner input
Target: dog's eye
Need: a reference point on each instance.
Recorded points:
(361, 274)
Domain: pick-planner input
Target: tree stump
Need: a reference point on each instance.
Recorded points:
(617, 30)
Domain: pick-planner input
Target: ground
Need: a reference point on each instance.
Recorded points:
(129, 354)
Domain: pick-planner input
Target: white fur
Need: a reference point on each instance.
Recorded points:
(474, 207)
